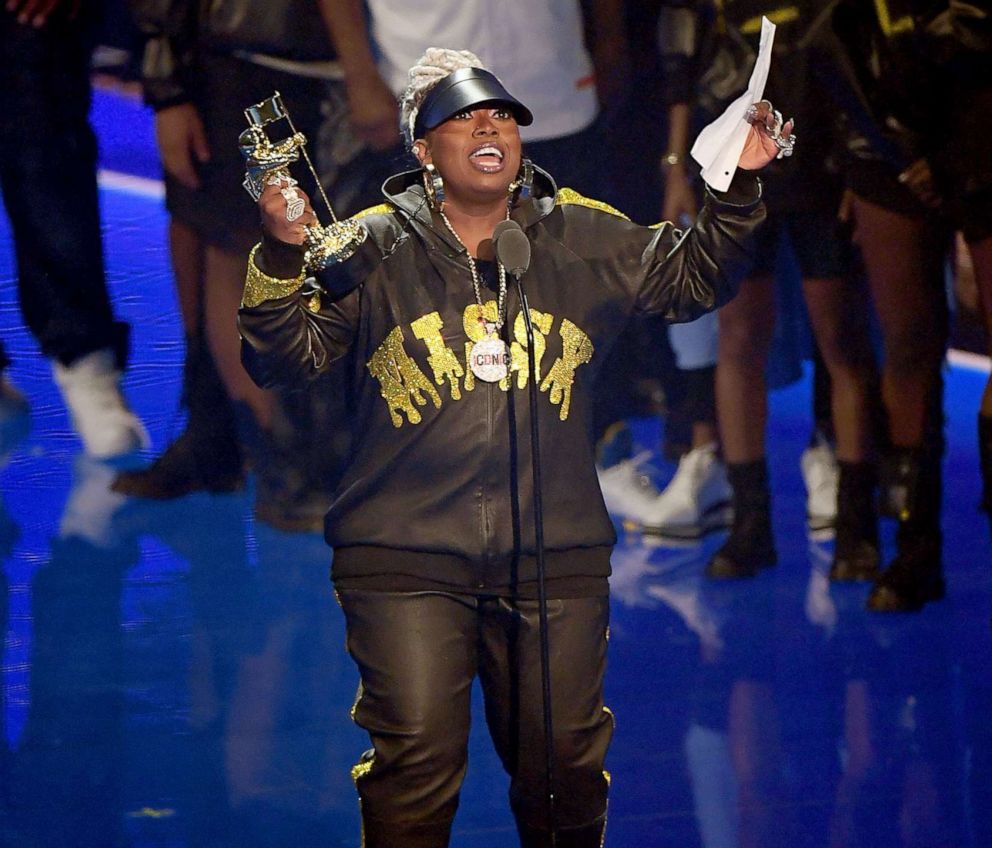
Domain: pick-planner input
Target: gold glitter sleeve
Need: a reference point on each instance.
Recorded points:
(570, 197)
(260, 287)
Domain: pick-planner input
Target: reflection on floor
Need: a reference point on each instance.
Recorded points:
(174, 675)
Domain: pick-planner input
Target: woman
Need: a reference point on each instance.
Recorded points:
(432, 530)
(803, 202)
(914, 182)
(199, 61)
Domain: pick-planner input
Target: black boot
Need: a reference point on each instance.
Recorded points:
(911, 490)
(297, 464)
(283, 499)
(856, 547)
(750, 546)
(985, 458)
(206, 457)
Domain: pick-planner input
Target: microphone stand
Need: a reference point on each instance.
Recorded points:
(542, 596)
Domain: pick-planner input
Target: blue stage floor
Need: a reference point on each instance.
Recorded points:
(174, 675)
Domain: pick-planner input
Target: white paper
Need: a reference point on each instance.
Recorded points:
(719, 146)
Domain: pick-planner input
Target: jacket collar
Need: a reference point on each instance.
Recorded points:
(405, 192)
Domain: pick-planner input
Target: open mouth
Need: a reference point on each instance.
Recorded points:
(488, 158)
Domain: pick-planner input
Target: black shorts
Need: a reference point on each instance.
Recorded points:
(821, 248)
(966, 209)
(962, 169)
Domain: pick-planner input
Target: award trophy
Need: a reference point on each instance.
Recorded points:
(267, 162)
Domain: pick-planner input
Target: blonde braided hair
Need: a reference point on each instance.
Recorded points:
(429, 70)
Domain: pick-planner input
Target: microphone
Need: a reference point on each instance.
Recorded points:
(513, 252)
(512, 247)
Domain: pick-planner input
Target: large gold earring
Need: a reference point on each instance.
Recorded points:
(433, 187)
(523, 185)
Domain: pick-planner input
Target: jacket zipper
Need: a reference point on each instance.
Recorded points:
(486, 528)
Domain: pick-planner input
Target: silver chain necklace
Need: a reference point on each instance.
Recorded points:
(477, 282)
(489, 357)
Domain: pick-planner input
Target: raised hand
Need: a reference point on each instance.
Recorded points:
(283, 217)
(182, 142)
(768, 139)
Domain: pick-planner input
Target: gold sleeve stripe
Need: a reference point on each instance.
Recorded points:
(890, 25)
(359, 770)
(784, 15)
(569, 196)
(381, 209)
(261, 287)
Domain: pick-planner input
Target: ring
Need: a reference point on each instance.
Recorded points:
(785, 146)
(752, 110)
(294, 209)
(752, 117)
(278, 177)
(295, 205)
(775, 130)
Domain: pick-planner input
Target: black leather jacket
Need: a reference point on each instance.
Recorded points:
(886, 71)
(177, 31)
(441, 471)
(708, 49)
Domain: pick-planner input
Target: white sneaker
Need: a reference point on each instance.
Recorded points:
(685, 595)
(821, 609)
(92, 392)
(820, 474)
(627, 488)
(696, 501)
(89, 512)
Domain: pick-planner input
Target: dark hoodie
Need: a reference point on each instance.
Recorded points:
(439, 488)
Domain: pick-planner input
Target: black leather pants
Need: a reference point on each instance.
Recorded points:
(48, 159)
(418, 654)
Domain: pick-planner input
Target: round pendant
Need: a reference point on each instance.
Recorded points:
(490, 359)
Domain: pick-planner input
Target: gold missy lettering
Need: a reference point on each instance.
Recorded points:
(441, 358)
(404, 386)
(518, 350)
(400, 380)
(577, 349)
